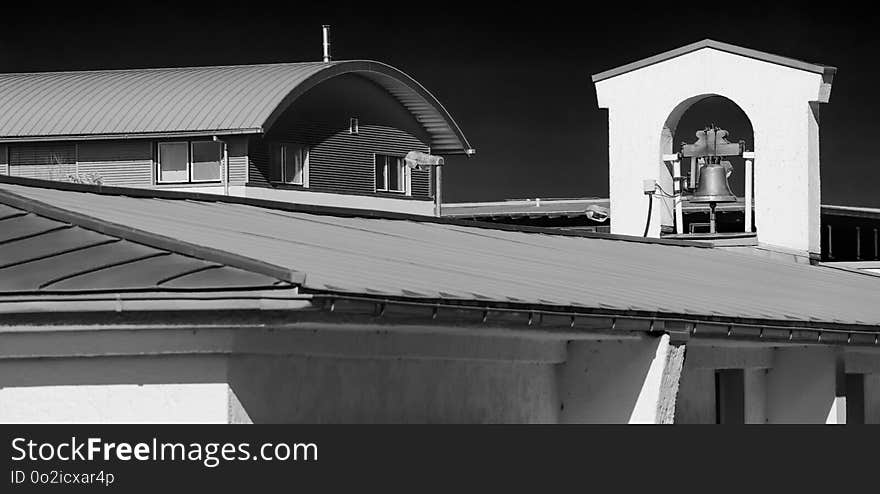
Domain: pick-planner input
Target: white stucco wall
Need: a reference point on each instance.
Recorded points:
(695, 403)
(696, 396)
(801, 386)
(872, 399)
(756, 396)
(116, 403)
(315, 372)
(612, 381)
(776, 100)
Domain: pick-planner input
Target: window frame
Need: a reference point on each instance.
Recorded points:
(405, 179)
(189, 162)
(283, 147)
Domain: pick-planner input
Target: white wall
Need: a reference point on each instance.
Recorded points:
(695, 403)
(696, 396)
(117, 403)
(801, 386)
(776, 100)
(612, 381)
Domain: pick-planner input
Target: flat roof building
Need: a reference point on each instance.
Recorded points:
(188, 307)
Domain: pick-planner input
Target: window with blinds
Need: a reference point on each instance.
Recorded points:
(43, 161)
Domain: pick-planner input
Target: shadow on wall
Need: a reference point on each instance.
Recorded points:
(591, 382)
(601, 381)
(295, 389)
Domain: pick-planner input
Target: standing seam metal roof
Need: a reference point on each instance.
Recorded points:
(44, 255)
(435, 260)
(220, 99)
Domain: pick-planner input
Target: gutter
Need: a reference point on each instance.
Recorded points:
(340, 310)
(680, 327)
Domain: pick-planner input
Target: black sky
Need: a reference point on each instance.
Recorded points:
(516, 78)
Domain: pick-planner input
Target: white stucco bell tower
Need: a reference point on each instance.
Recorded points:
(779, 95)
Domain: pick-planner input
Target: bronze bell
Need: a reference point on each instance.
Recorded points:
(713, 184)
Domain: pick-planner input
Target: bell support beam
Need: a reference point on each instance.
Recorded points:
(676, 187)
(749, 160)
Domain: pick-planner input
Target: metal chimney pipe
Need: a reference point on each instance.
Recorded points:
(326, 43)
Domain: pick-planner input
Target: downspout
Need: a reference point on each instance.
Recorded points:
(225, 166)
(437, 189)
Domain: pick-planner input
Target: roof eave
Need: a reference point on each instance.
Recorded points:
(131, 135)
(825, 70)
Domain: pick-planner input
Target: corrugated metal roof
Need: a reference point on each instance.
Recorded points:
(827, 70)
(376, 256)
(223, 99)
(39, 254)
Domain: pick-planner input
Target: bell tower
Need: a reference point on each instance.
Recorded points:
(780, 96)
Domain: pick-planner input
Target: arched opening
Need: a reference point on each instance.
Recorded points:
(686, 119)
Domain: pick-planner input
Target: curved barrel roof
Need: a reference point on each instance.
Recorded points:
(193, 101)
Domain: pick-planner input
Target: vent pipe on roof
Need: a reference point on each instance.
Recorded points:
(326, 43)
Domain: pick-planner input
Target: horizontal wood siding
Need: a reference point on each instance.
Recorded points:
(339, 161)
(258, 161)
(123, 163)
(421, 183)
(237, 152)
(4, 168)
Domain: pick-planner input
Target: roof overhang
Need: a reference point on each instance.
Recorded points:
(446, 136)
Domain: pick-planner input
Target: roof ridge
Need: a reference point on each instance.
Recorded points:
(783, 60)
(326, 210)
(186, 67)
(150, 239)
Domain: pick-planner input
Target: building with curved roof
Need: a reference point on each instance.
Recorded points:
(314, 132)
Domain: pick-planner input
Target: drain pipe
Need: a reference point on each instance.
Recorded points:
(225, 164)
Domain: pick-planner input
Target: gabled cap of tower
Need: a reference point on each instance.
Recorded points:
(827, 71)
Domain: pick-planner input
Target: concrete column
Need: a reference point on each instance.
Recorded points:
(872, 398)
(802, 385)
(756, 396)
(620, 381)
(673, 362)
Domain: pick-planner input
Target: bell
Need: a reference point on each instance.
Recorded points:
(713, 184)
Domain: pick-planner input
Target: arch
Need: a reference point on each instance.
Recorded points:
(667, 134)
(446, 136)
(674, 117)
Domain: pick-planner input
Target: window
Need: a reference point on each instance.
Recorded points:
(197, 161)
(206, 161)
(43, 161)
(353, 125)
(290, 163)
(390, 173)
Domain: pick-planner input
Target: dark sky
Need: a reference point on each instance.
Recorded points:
(516, 79)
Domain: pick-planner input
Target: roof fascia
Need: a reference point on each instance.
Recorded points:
(136, 135)
(826, 70)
